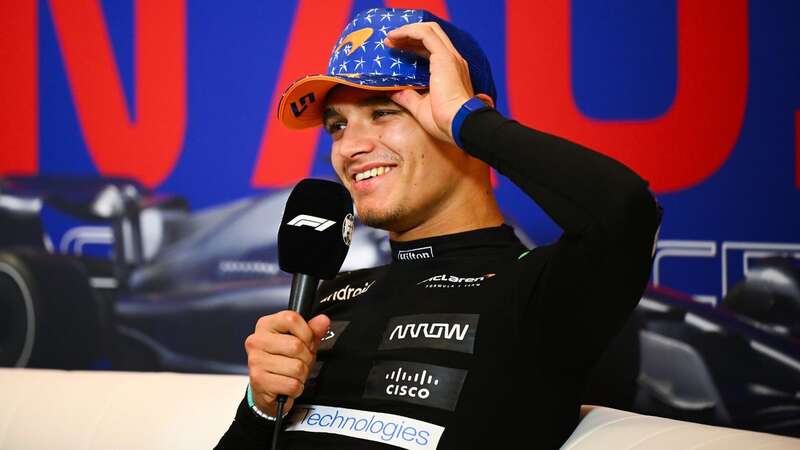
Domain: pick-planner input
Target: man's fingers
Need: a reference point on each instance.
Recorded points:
(408, 99)
(409, 45)
(279, 365)
(272, 385)
(436, 28)
(287, 322)
(424, 33)
(442, 52)
(278, 344)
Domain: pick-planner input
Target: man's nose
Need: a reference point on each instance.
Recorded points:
(356, 140)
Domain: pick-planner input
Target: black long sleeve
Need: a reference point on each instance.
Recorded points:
(247, 432)
(596, 272)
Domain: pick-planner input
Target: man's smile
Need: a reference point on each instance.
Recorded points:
(368, 180)
(371, 173)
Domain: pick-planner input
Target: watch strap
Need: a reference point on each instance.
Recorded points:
(472, 105)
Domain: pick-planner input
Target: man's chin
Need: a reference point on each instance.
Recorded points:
(384, 219)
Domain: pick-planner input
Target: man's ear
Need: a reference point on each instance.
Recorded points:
(486, 99)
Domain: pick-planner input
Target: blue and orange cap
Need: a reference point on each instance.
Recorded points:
(361, 59)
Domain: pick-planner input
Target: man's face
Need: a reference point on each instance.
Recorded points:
(398, 174)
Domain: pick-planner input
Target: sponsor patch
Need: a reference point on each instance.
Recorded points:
(410, 382)
(400, 431)
(336, 329)
(445, 281)
(454, 332)
(347, 292)
(415, 254)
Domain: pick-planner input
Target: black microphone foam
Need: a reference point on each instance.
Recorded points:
(316, 229)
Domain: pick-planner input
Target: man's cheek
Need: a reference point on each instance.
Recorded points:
(339, 171)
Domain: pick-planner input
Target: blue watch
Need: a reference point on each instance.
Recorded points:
(469, 107)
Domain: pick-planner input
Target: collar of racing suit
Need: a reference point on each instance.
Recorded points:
(456, 244)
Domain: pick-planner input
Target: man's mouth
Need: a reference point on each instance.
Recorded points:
(372, 173)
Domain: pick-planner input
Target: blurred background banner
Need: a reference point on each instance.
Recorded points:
(701, 98)
(143, 175)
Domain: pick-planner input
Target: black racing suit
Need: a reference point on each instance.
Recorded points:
(469, 336)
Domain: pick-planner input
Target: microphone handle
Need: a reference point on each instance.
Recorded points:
(301, 297)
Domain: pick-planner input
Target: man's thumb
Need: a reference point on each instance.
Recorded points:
(319, 325)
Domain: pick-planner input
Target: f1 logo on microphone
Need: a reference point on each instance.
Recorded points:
(316, 223)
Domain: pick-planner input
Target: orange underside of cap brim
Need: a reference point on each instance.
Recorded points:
(301, 106)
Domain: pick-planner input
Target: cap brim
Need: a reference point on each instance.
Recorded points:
(301, 105)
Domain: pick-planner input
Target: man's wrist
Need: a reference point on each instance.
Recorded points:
(472, 105)
(255, 409)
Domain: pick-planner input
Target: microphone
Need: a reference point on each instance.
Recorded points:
(313, 240)
(314, 237)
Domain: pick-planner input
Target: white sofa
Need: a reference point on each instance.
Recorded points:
(52, 409)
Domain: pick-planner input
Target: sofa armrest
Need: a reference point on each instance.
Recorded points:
(602, 427)
(88, 410)
(58, 409)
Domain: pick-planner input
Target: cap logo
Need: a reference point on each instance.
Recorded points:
(302, 100)
(355, 39)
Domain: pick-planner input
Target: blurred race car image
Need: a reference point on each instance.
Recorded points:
(736, 365)
(104, 273)
(139, 282)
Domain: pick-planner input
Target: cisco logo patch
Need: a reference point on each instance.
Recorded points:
(421, 384)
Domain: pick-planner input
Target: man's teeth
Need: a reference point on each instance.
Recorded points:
(373, 173)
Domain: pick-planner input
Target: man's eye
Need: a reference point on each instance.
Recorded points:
(378, 113)
(335, 127)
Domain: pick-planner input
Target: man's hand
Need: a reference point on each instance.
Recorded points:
(280, 355)
(450, 84)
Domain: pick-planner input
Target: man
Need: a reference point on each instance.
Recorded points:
(467, 339)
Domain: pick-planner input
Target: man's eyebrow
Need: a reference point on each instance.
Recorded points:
(375, 100)
(328, 113)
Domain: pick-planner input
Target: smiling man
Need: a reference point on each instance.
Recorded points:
(402, 178)
(467, 339)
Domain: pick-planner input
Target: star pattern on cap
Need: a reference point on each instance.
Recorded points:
(376, 64)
